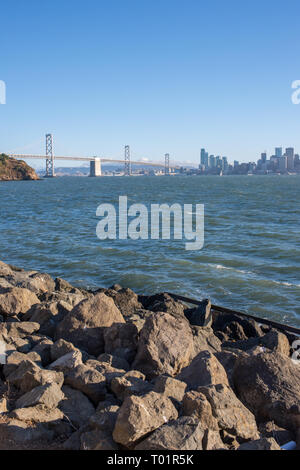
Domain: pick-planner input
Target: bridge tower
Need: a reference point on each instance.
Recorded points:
(127, 167)
(49, 156)
(95, 167)
(167, 164)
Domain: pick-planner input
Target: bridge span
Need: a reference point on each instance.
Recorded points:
(95, 162)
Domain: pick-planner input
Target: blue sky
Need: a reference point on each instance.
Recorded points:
(161, 75)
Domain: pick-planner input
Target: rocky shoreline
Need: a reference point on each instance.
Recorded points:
(15, 170)
(111, 370)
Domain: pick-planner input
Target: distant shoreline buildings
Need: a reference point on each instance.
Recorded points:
(279, 163)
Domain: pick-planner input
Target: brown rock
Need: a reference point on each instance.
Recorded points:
(205, 369)
(170, 387)
(140, 415)
(270, 429)
(14, 360)
(121, 339)
(268, 384)
(76, 406)
(16, 300)
(105, 369)
(35, 282)
(61, 285)
(97, 440)
(67, 362)
(14, 433)
(127, 385)
(232, 416)
(3, 405)
(164, 303)
(228, 359)
(212, 441)
(105, 419)
(274, 341)
(195, 404)
(29, 375)
(49, 395)
(43, 350)
(85, 324)
(250, 327)
(165, 345)
(125, 299)
(205, 340)
(261, 444)
(18, 329)
(61, 348)
(183, 434)
(89, 381)
(37, 414)
(114, 361)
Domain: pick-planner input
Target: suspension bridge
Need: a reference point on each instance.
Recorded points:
(95, 162)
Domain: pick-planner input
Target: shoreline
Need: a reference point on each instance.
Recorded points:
(112, 370)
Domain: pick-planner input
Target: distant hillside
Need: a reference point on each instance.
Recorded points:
(14, 170)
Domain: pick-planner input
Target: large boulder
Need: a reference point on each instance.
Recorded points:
(37, 414)
(125, 299)
(85, 324)
(170, 387)
(266, 443)
(76, 406)
(140, 415)
(128, 384)
(29, 375)
(16, 300)
(49, 395)
(196, 404)
(231, 415)
(274, 340)
(97, 440)
(165, 345)
(205, 340)
(164, 303)
(35, 282)
(114, 361)
(67, 362)
(21, 329)
(268, 384)
(121, 339)
(14, 359)
(185, 433)
(17, 434)
(223, 323)
(48, 315)
(205, 369)
(87, 380)
(109, 372)
(61, 348)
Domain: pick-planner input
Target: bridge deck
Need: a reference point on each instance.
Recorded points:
(88, 159)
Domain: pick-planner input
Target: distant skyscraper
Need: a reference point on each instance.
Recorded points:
(263, 157)
(212, 161)
(225, 163)
(202, 156)
(283, 164)
(278, 152)
(289, 152)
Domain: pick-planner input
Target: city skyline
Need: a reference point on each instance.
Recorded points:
(280, 161)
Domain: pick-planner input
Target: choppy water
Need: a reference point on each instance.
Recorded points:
(250, 261)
